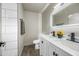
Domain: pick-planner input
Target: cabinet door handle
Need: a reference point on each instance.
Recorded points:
(56, 54)
(53, 53)
(41, 41)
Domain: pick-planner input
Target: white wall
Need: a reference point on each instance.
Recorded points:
(46, 18)
(20, 37)
(31, 27)
(40, 23)
(0, 29)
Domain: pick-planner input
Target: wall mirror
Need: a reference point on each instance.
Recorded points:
(69, 15)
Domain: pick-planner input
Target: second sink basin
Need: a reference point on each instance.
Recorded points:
(67, 43)
(70, 44)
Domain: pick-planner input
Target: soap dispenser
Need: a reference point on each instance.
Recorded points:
(53, 33)
(72, 36)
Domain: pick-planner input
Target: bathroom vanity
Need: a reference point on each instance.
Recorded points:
(54, 46)
(64, 16)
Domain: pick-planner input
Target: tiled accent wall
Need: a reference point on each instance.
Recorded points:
(9, 28)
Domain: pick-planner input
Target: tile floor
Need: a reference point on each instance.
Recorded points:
(30, 51)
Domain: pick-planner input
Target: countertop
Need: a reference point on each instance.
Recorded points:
(68, 46)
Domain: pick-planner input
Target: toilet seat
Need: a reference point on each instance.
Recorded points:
(37, 43)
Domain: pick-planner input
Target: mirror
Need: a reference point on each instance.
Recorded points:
(70, 15)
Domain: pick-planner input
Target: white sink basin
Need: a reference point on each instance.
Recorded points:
(70, 44)
(67, 43)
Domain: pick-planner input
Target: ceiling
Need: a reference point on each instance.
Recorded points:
(35, 7)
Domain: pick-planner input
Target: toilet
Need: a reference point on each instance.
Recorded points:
(37, 43)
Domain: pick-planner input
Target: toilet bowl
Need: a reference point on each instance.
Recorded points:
(37, 44)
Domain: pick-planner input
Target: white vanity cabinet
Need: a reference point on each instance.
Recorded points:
(45, 47)
(49, 49)
(42, 47)
(56, 51)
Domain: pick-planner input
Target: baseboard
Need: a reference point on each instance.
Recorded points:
(29, 45)
(21, 51)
